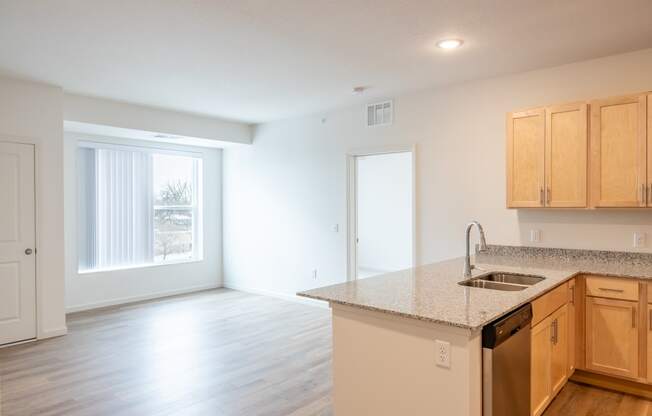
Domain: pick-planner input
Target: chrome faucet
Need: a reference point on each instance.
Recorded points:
(483, 246)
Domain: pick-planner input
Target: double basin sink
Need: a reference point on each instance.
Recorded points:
(503, 281)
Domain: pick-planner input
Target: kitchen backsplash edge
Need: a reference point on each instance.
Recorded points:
(563, 254)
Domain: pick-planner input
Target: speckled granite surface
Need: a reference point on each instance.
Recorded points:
(615, 263)
(431, 293)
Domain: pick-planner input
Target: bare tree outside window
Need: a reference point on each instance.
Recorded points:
(173, 212)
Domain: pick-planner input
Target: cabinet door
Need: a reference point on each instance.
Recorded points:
(525, 158)
(612, 336)
(649, 150)
(572, 327)
(566, 155)
(649, 343)
(559, 358)
(540, 378)
(618, 152)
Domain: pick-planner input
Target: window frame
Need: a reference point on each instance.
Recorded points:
(197, 205)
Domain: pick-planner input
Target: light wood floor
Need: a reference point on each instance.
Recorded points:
(215, 353)
(580, 400)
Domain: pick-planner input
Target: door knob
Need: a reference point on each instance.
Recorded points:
(28, 251)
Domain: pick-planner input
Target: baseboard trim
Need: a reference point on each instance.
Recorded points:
(284, 296)
(132, 299)
(613, 383)
(51, 333)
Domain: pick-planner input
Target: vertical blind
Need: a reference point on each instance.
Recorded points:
(119, 224)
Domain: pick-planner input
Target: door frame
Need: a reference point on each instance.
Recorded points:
(351, 201)
(37, 279)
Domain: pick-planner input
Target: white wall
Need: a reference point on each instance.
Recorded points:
(283, 194)
(96, 289)
(384, 212)
(32, 113)
(97, 111)
(129, 121)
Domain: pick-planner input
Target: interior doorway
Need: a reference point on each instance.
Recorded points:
(381, 212)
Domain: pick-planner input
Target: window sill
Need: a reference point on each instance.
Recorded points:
(139, 266)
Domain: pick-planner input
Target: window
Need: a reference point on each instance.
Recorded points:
(137, 207)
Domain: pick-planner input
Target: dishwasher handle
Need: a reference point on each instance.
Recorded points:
(503, 328)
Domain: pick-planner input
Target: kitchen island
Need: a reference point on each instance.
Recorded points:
(386, 328)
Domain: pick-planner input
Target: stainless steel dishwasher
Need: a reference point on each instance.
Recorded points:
(506, 365)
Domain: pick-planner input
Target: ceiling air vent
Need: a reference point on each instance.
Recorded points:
(380, 114)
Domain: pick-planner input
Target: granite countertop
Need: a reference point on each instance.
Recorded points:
(431, 293)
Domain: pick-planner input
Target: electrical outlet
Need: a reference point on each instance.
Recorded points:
(314, 274)
(639, 239)
(336, 228)
(535, 236)
(443, 354)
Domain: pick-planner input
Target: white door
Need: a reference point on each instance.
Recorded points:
(17, 237)
(383, 213)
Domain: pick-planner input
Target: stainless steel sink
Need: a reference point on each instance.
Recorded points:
(503, 281)
(517, 279)
(485, 284)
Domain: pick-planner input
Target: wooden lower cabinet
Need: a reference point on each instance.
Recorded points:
(572, 325)
(559, 367)
(602, 328)
(649, 342)
(541, 369)
(612, 337)
(549, 370)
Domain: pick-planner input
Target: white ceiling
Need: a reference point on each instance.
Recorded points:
(260, 60)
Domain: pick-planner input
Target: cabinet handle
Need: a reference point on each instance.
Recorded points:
(650, 320)
(643, 193)
(633, 317)
(541, 195)
(553, 333)
(608, 289)
(572, 299)
(548, 196)
(649, 193)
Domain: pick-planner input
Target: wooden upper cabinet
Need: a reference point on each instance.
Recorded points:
(525, 158)
(547, 157)
(566, 156)
(618, 152)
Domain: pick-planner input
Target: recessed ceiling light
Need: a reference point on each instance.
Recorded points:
(450, 43)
